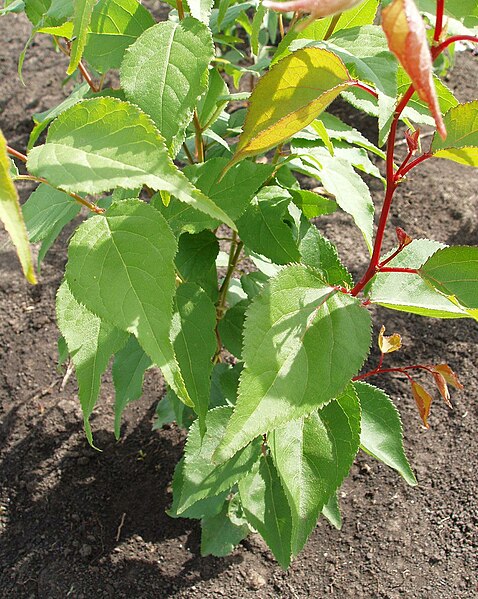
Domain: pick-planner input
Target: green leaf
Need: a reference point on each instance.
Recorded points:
(115, 25)
(253, 282)
(262, 227)
(257, 26)
(453, 271)
(408, 292)
(364, 14)
(171, 409)
(317, 251)
(417, 110)
(194, 342)
(129, 367)
(46, 212)
(311, 456)
(312, 204)
(91, 343)
(11, 214)
(231, 326)
(202, 477)
(168, 62)
(104, 143)
(196, 260)
(267, 510)
(211, 104)
(204, 508)
(235, 189)
(83, 10)
(289, 97)
(43, 119)
(340, 179)
(219, 535)
(121, 267)
(461, 143)
(201, 9)
(381, 434)
(340, 131)
(331, 511)
(303, 342)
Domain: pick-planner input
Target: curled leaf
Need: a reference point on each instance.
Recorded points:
(413, 140)
(448, 374)
(403, 238)
(406, 35)
(316, 8)
(389, 344)
(442, 388)
(423, 400)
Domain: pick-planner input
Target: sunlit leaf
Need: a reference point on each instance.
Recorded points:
(389, 344)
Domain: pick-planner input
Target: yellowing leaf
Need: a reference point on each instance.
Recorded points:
(289, 97)
(11, 214)
(389, 344)
(406, 35)
(423, 400)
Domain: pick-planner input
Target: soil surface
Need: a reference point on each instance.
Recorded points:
(78, 523)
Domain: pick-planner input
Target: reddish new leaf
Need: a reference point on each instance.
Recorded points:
(316, 8)
(413, 140)
(403, 238)
(423, 400)
(448, 374)
(442, 388)
(406, 35)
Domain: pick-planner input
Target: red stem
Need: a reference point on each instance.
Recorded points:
(439, 21)
(17, 154)
(437, 50)
(402, 370)
(403, 170)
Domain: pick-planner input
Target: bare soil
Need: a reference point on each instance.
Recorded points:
(78, 523)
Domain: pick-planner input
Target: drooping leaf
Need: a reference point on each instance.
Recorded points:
(11, 214)
(129, 366)
(201, 476)
(453, 271)
(294, 92)
(194, 343)
(309, 455)
(104, 143)
(317, 251)
(83, 10)
(165, 71)
(381, 435)
(196, 260)
(204, 508)
(448, 374)
(262, 226)
(423, 400)
(303, 342)
(121, 267)
(115, 25)
(46, 212)
(408, 292)
(91, 343)
(219, 535)
(340, 179)
(461, 144)
(407, 39)
(331, 511)
(267, 509)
